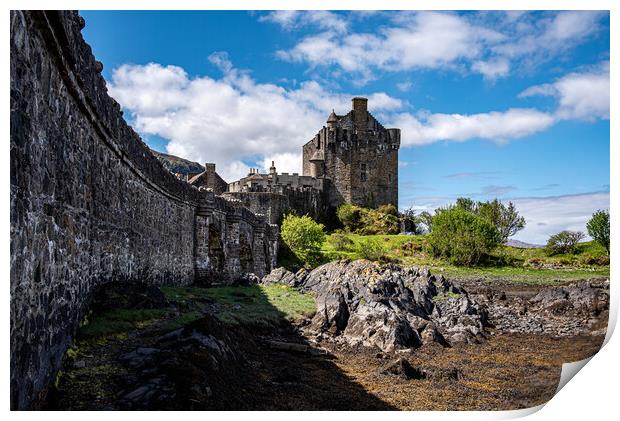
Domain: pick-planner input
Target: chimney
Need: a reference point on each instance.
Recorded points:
(210, 167)
(360, 113)
(360, 104)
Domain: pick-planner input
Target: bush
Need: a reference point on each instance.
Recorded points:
(462, 237)
(350, 216)
(364, 221)
(598, 228)
(603, 261)
(564, 242)
(304, 237)
(388, 210)
(371, 249)
(374, 222)
(340, 242)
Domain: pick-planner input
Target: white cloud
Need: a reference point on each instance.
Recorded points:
(492, 69)
(404, 86)
(581, 95)
(498, 126)
(424, 40)
(546, 216)
(486, 43)
(232, 121)
(292, 19)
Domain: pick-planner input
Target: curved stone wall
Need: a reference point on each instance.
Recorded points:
(91, 204)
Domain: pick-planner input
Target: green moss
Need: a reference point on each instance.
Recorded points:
(446, 296)
(255, 305)
(117, 321)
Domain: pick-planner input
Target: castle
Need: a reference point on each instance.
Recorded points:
(91, 204)
(353, 159)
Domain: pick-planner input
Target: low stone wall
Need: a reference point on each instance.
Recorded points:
(91, 204)
(274, 205)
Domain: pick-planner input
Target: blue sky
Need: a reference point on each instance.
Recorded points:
(491, 104)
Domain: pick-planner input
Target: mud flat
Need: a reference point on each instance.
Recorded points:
(405, 340)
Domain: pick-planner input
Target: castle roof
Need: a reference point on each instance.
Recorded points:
(333, 118)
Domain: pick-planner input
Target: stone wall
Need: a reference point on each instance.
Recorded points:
(91, 204)
(274, 205)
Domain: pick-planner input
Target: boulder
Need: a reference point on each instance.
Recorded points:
(390, 307)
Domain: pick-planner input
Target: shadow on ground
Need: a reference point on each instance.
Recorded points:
(224, 348)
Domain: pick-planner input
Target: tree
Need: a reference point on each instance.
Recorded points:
(598, 228)
(505, 218)
(564, 242)
(425, 218)
(462, 236)
(466, 204)
(304, 237)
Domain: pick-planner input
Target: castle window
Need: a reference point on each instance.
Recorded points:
(363, 172)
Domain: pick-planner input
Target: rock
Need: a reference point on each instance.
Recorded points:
(402, 368)
(390, 307)
(79, 364)
(281, 276)
(246, 279)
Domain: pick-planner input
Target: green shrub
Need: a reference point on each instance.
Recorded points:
(598, 228)
(603, 261)
(564, 242)
(374, 222)
(340, 242)
(462, 237)
(350, 216)
(388, 210)
(304, 237)
(371, 249)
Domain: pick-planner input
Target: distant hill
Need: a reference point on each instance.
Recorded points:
(175, 164)
(522, 245)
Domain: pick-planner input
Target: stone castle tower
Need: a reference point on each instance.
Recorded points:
(358, 156)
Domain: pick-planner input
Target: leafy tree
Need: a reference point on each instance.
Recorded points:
(466, 203)
(304, 237)
(505, 218)
(462, 236)
(564, 242)
(410, 222)
(425, 218)
(598, 228)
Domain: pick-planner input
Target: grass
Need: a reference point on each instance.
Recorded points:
(507, 263)
(118, 321)
(255, 305)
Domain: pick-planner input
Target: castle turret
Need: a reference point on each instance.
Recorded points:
(332, 120)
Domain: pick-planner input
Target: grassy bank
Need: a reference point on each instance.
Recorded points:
(508, 263)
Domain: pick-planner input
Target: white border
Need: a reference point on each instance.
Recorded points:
(590, 395)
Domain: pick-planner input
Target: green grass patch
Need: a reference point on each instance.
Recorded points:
(446, 296)
(531, 266)
(117, 321)
(255, 305)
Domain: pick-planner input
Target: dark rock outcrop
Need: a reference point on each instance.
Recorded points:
(387, 306)
(581, 308)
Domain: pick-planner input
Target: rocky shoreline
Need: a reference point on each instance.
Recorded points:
(383, 337)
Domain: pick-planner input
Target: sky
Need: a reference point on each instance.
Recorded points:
(509, 105)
